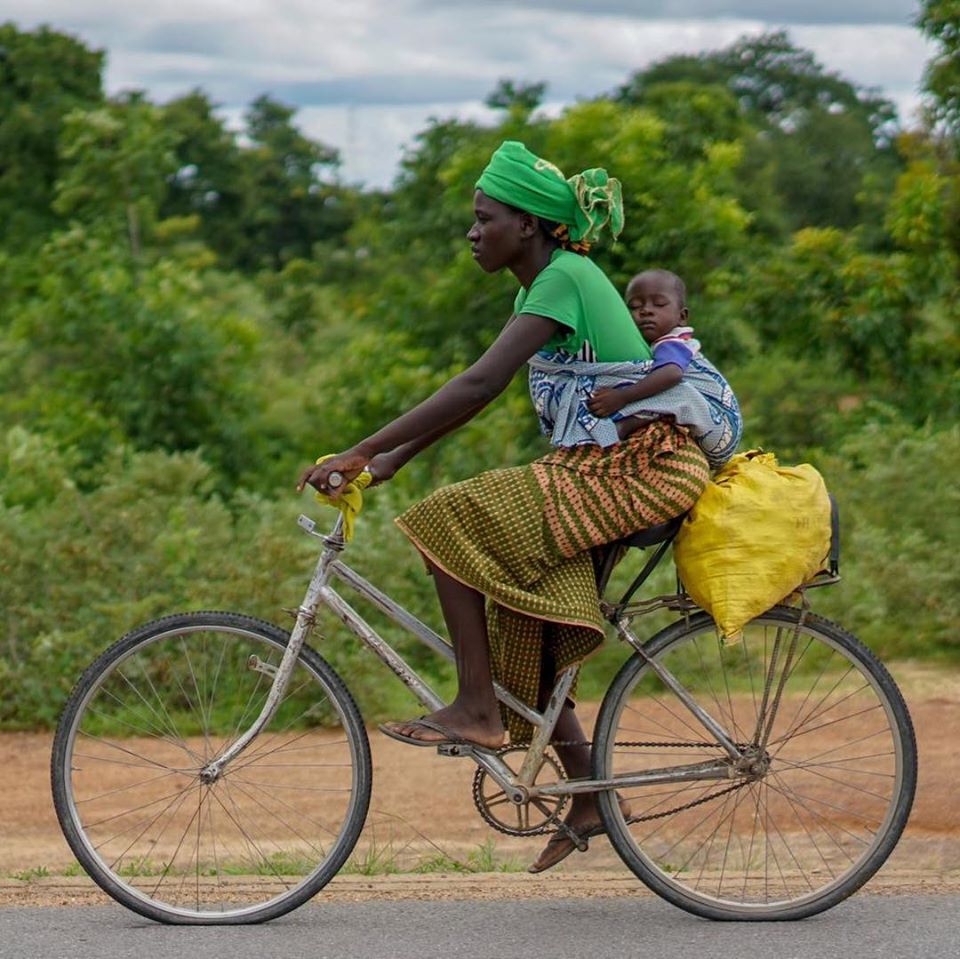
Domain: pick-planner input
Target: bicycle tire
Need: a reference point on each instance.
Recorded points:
(821, 811)
(149, 713)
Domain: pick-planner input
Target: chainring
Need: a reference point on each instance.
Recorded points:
(535, 817)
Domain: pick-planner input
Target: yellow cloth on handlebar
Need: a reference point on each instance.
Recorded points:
(350, 500)
(759, 531)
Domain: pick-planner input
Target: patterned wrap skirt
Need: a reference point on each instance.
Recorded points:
(522, 536)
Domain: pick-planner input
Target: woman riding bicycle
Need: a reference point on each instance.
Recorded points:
(509, 550)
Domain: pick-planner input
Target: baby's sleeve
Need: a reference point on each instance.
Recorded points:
(672, 351)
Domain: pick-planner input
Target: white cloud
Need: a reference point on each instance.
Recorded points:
(785, 11)
(367, 73)
(881, 56)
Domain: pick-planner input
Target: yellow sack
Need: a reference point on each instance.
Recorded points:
(758, 532)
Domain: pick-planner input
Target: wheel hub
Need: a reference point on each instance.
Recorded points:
(754, 763)
(210, 774)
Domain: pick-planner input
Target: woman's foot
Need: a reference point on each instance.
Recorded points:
(583, 821)
(453, 725)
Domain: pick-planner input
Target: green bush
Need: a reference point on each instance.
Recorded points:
(216, 314)
(79, 569)
(900, 515)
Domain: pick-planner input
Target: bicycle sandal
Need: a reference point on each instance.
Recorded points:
(567, 840)
(450, 737)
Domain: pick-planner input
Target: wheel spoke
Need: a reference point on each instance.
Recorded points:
(266, 832)
(828, 767)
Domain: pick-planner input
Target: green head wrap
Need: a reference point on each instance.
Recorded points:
(585, 203)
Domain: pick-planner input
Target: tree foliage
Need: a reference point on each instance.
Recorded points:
(115, 162)
(520, 99)
(288, 205)
(813, 139)
(190, 313)
(101, 350)
(771, 78)
(940, 21)
(44, 75)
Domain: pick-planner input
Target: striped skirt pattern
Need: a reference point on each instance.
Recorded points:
(522, 536)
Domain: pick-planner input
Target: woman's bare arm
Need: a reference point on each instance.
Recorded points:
(385, 465)
(457, 401)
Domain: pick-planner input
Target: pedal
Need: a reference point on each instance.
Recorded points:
(463, 749)
(575, 838)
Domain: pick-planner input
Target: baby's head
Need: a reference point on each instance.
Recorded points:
(657, 300)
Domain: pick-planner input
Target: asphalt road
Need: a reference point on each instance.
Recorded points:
(898, 927)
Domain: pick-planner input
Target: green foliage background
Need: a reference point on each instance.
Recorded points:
(188, 315)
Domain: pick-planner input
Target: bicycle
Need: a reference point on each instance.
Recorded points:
(766, 780)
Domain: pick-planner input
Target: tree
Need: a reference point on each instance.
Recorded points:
(207, 182)
(291, 200)
(695, 115)
(819, 168)
(940, 21)
(518, 98)
(261, 203)
(44, 75)
(116, 160)
(771, 79)
(102, 350)
(815, 138)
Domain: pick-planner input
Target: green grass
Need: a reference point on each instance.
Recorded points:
(35, 872)
(484, 859)
(278, 864)
(375, 860)
(480, 860)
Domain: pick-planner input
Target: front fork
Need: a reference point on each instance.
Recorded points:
(306, 617)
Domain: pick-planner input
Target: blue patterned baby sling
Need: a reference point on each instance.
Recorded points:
(703, 401)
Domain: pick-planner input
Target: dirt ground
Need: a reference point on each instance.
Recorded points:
(421, 809)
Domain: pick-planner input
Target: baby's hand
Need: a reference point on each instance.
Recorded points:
(605, 402)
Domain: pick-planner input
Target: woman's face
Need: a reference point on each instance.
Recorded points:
(496, 235)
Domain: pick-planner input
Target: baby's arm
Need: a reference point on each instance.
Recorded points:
(607, 402)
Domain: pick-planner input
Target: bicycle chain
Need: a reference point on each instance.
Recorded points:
(554, 819)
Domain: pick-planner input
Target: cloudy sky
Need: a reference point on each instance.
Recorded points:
(366, 75)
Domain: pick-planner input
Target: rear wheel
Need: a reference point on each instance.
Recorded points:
(815, 809)
(150, 714)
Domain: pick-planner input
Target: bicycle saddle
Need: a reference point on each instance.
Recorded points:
(655, 534)
(606, 557)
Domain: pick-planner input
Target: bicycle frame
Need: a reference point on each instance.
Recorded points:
(519, 787)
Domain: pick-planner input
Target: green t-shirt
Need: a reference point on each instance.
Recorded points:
(576, 293)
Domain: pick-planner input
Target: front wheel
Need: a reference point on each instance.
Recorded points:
(150, 714)
(816, 805)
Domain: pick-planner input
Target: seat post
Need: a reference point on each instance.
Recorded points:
(606, 557)
(648, 568)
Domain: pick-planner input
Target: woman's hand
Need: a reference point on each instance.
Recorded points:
(606, 402)
(384, 467)
(348, 465)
